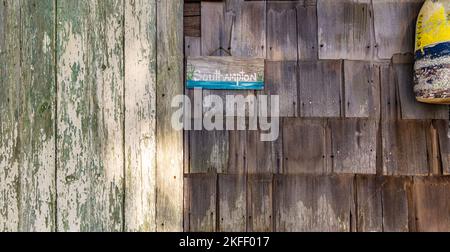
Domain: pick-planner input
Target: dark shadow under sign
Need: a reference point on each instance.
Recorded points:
(230, 73)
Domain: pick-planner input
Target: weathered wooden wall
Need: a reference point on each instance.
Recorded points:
(82, 87)
(356, 151)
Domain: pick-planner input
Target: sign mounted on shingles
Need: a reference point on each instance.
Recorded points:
(225, 73)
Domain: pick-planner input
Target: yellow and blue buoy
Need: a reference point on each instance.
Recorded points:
(432, 54)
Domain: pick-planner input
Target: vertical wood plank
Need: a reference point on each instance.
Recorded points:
(90, 175)
(238, 152)
(200, 197)
(140, 115)
(314, 203)
(264, 157)
(354, 145)
(232, 203)
(442, 128)
(260, 203)
(320, 84)
(282, 31)
(304, 146)
(395, 22)
(213, 28)
(345, 29)
(208, 151)
(369, 202)
(307, 31)
(396, 210)
(169, 173)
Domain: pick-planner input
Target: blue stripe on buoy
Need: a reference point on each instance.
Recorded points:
(435, 51)
(226, 85)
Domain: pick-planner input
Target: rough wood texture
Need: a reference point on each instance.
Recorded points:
(169, 174)
(345, 29)
(307, 31)
(213, 28)
(353, 145)
(361, 89)
(314, 203)
(432, 204)
(208, 151)
(200, 196)
(260, 203)
(140, 115)
(238, 152)
(232, 203)
(443, 155)
(320, 84)
(282, 31)
(304, 146)
(409, 107)
(248, 32)
(90, 116)
(27, 121)
(281, 79)
(263, 157)
(405, 147)
(395, 22)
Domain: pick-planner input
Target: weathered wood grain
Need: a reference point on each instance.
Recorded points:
(345, 29)
(169, 174)
(213, 28)
(307, 31)
(208, 151)
(232, 198)
(200, 195)
(395, 22)
(361, 89)
(281, 79)
(432, 204)
(390, 108)
(370, 204)
(238, 152)
(260, 203)
(314, 203)
(282, 31)
(409, 107)
(396, 212)
(320, 84)
(90, 113)
(353, 145)
(27, 120)
(192, 26)
(140, 115)
(405, 147)
(305, 146)
(443, 155)
(264, 157)
(248, 32)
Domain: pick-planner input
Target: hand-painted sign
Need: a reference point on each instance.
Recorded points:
(225, 73)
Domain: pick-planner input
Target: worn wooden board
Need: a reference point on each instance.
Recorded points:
(443, 155)
(200, 195)
(362, 87)
(314, 203)
(140, 115)
(395, 22)
(305, 146)
(27, 121)
(400, 156)
(320, 85)
(264, 157)
(409, 107)
(169, 175)
(281, 79)
(192, 26)
(282, 31)
(238, 152)
(308, 48)
(225, 73)
(232, 203)
(390, 108)
(382, 204)
(248, 31)
(353, 145)
(213, 28)
(432, 204)
(208, 151)
(345, 29)
(260, 203)
(90, 112)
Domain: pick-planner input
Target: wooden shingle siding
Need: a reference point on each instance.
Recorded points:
(314, 203)
(353, 145)
(232, 203)
(260, 203)
(307, 31)
(395, 22)
(200, 195)
(264, 157)
(320, 88)
(443, 155)
(405, 149)
(282, 31)
(432, 203)
(213, 32)
(345, 29)
(208, 151)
